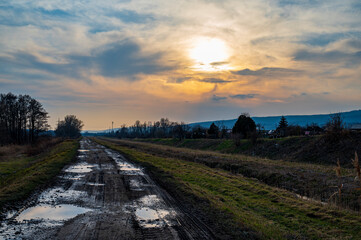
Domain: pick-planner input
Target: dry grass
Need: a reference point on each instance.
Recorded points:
(355, 163)
(9, 152)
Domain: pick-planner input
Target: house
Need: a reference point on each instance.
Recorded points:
(355, 127)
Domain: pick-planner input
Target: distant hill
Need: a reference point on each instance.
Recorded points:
(271, 122)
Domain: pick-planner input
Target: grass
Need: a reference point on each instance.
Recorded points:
(241, 205)
(311, 149)
(312, 180)
(21, 175)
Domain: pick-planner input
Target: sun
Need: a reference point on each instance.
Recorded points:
(209, 54)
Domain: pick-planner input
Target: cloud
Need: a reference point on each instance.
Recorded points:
(126, 59)
(328, 57)
(324, 39)
(121, 59)
(214, 80)
(243, 96)
(218, 98)
(130, 16)
(265, 72)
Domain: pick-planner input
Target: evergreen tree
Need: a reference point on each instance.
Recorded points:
(213, 131)
(283, 123)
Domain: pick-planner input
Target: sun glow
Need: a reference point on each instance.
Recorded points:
(210, 54)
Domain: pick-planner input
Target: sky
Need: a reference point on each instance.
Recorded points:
(189, 60)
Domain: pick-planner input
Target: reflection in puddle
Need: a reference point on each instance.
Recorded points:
(148, 217)
(83, 150)
(150, 211)
(81, 168)
(60, 193)
(95, 184)
(58, 212)
(135, 185)
(124, 166)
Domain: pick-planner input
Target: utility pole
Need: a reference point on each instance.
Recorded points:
(112, 127)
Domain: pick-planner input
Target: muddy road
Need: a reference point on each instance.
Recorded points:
(102, 196)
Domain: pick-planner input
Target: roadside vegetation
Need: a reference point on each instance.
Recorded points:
(241, 206)
(22, 119)
(25, 168)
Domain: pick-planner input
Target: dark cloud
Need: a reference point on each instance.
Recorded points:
(218, 98)
(328, 57)
(327, 38)
(215, 64)
(354, 43)
(265, 71)
(22, 61)
(123, 59)
(179, 80)
(126, 59)
(244, 96)
(214, 80)
(23, 16)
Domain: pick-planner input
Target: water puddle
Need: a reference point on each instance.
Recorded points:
(48, 212)
(149, 218)
(81, 168)
(95, 184)
(59, 193)
(124, 166)
(150, 212)
(135, 185)
(74, 177)
(83, 150)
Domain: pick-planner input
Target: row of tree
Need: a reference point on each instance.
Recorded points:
(164, 128)
(22, 119)
(245, 127)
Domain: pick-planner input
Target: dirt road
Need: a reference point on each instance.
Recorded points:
(103, 196)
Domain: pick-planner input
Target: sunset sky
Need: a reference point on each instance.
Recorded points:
(186, 60)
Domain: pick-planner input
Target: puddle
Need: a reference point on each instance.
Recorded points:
(81, 168)
(83, 150)
(124, 166)
(49, 212)
(56, 194)
(150, 211)
(149, 218)
(96, 184)
(135, 185)
(74, 178)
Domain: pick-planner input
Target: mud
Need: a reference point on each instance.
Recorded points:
(102, 196)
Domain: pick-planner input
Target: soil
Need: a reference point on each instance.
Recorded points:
(103, 196)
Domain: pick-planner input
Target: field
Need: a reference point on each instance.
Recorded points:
(243, 194)
(21, 174)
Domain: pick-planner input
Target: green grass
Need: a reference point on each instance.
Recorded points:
(244, 203)
(21, 175)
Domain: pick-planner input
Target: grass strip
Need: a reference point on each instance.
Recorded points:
(21, 176)
(244, 203)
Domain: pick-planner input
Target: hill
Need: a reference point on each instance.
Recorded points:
(271, 122)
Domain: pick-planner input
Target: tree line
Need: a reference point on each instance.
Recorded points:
(164, 128)
(244, 128)
(22, 119)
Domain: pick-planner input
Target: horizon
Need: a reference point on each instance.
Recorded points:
(222, 120)
(187, 61)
